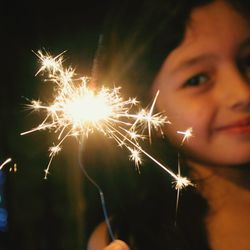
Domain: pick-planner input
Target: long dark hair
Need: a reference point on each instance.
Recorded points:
(137, 37)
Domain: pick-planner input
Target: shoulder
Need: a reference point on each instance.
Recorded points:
(98, 239)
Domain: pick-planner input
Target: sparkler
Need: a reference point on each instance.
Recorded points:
(77, 109)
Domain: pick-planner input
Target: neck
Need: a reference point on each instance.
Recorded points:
(227, 191)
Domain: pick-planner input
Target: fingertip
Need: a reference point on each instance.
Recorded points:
(118, 245)
(122, 244)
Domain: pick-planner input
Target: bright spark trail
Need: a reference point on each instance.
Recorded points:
(5, 163)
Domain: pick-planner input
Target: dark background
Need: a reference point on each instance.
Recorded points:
(42, 214)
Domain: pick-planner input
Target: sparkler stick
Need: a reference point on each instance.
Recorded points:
(103, 204)
(79, 110)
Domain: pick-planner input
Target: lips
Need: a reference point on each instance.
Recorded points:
(241, 126)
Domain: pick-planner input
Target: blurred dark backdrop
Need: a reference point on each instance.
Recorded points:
(37, 213)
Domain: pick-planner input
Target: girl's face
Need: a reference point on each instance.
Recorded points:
(205, 84)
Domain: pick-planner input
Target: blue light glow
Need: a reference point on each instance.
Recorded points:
(3, 219)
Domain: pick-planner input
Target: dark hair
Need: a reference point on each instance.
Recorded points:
(137, 38)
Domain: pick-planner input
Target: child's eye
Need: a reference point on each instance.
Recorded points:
(246, 66)
(196, 80)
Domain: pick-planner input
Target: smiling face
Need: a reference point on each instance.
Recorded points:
(205, 84)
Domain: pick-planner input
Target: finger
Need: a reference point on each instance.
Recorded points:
(117, 245)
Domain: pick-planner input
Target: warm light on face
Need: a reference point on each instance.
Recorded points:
(201, 86)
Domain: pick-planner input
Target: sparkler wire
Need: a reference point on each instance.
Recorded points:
(103, 203)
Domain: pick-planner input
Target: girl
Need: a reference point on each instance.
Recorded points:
(197, 53)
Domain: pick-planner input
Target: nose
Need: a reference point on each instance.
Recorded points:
(236, 90)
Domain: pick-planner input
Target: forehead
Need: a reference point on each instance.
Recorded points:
(211, 29)
(217, 19)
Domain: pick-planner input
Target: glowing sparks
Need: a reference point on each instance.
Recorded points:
(13, 169)
(54, 150)
(149, 120)
(182, 182)
(187, 134)
(136, 157)
(79, 110)
(5, 163)
(49, 63)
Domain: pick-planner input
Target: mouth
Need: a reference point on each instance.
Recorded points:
(239, 127)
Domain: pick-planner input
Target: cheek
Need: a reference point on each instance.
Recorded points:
(184, 112)
(183, 116)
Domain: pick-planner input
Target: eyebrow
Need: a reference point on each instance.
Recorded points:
(203, 58)
(193, 61)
